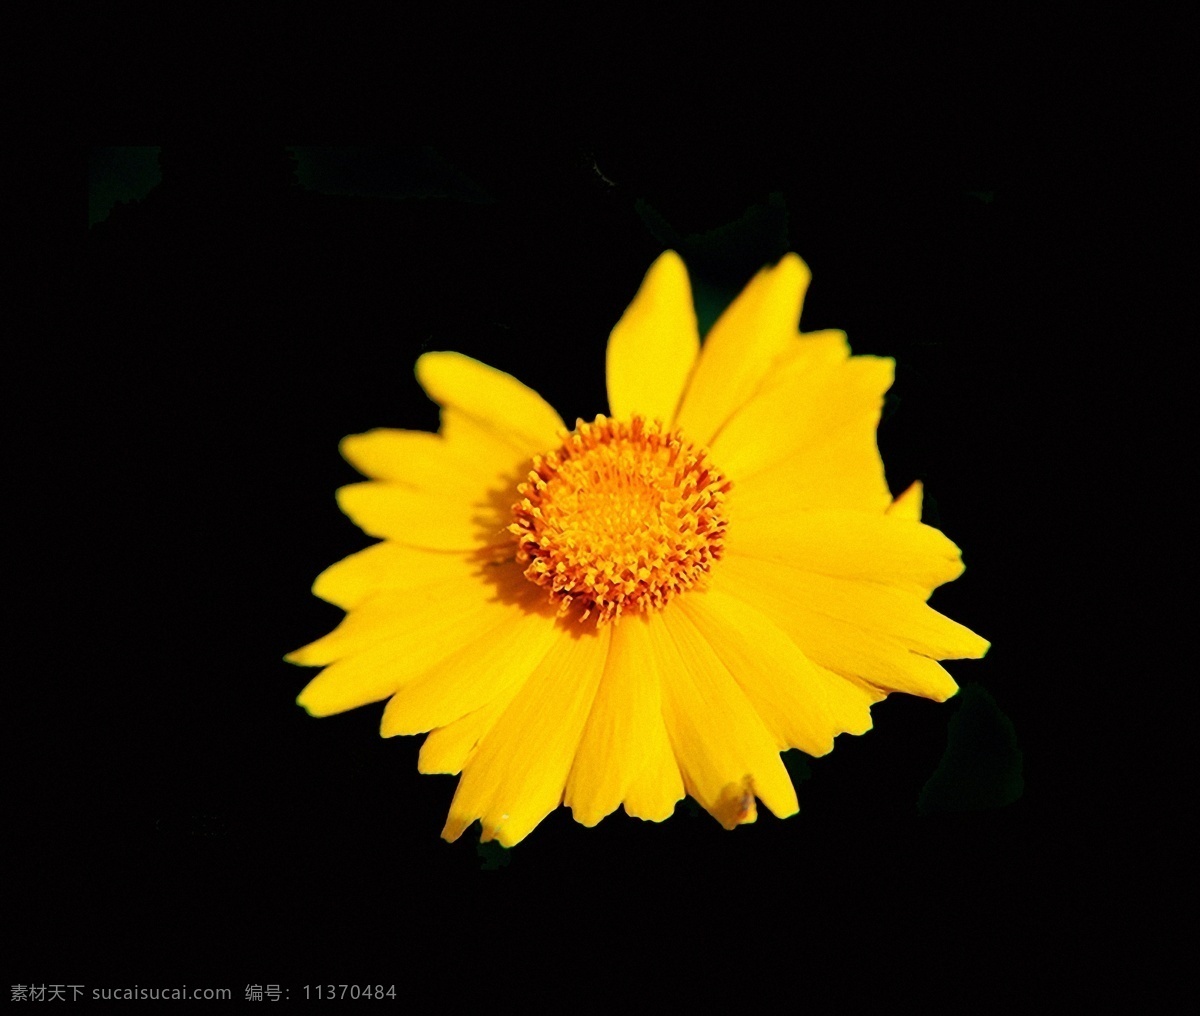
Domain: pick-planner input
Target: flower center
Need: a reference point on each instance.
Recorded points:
(621, 516)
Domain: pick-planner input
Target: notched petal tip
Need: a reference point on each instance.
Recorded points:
(661, 813)
(501, 833)
(588, 815)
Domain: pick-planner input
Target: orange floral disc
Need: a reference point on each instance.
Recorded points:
(622, 516)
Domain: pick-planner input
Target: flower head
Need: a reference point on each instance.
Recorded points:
(659, 601)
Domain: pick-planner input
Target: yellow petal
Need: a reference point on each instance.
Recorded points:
(884, 636)
(887, 549)
(485, 454)
(498, 401)
(622, 728)
(446, 582)
(908, 504)
(479, 671)
(412, 457)
(812, 351)
(396, 636)
(657, 787)
(806, 409)
(743, 347)
(896, 613)
(845, 474)
(517, 773)
(803, 706)
(389, 566)
(448, 491)
(447, 749)
(724, 751)
(652, 349)
(818, 353)
(431, 519)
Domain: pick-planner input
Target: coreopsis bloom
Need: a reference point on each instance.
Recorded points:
(659, 601)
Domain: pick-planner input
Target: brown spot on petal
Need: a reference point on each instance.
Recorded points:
(738, 806)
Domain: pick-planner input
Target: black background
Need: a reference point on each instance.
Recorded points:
(968, 199)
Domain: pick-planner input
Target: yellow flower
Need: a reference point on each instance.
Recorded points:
(655, 603)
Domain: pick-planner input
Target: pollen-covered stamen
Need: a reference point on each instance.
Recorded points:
(622, 516)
